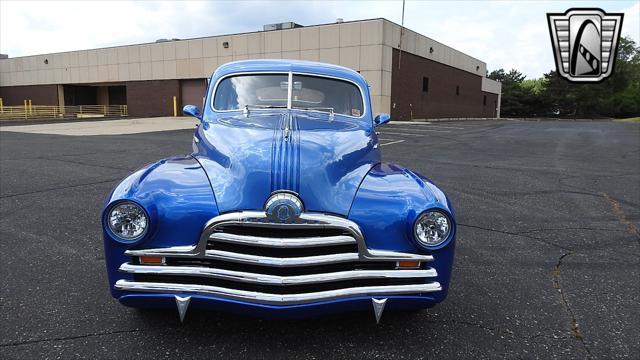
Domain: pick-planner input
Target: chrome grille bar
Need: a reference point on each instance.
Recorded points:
(279, 299)
(265, 279)
(281, 262)
(301, 242)
(188, 251)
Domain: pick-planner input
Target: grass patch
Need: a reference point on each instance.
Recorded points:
(629, 120)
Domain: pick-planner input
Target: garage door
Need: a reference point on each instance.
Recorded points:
(192, 92)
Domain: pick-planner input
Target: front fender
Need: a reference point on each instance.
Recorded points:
(177, 196)
(386, 206)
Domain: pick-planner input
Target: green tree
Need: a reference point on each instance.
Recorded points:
(552, 95)
(511, 104)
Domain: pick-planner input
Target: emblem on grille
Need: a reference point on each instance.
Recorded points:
(584, 43)
(283, 207)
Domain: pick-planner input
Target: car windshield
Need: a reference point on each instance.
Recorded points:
(271, 90)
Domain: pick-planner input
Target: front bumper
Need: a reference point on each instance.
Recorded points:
(308, 310)
(319, 264)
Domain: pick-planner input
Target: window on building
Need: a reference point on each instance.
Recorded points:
(425, 84)
(457, 89)
(484, 100)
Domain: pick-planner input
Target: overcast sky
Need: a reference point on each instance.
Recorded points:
(503, 34)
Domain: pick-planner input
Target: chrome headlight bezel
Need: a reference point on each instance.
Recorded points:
(114, 232)
(424, 217)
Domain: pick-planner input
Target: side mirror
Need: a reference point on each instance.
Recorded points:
(381, 119)
(192, 110)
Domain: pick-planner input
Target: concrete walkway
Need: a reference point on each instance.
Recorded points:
(128, 126)
(108, 127)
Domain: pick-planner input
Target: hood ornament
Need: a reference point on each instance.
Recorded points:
(284, 207)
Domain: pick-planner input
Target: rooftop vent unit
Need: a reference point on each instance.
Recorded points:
(281, 26)
(166, 40)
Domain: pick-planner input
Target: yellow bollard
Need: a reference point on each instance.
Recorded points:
(30, 108)
(1, 106)
(175, 106)
(25, 109)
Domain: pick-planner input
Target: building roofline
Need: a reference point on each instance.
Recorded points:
(248, 33)
(436, 41)
(196, 38)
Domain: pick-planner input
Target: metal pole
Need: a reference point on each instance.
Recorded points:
(175, 106)
(401, 31)
(30, 108)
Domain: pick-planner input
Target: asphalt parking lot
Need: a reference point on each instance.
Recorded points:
(547, 261)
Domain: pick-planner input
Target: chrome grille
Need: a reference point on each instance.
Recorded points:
(246, 256)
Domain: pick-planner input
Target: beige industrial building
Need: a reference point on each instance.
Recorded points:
(410, 75)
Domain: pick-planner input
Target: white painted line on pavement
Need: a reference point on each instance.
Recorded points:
(429, 130)
(432, 125)
(391, 143)
(395, 133)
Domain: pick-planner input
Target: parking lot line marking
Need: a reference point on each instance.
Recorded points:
(432, 130)
(395, 133)
(430, 125)
(391, 143)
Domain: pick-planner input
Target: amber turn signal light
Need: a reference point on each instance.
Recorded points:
(408, 264)
(152, 260)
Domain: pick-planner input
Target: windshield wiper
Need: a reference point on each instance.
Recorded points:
(247, 106)
(323, 109)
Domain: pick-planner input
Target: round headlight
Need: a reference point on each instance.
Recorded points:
(432, 228)
(128, 221)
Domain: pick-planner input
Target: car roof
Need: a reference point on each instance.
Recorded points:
(296, 66)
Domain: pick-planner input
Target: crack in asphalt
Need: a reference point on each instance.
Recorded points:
(498, 330)
(575, 328)
(64, 338)
(85, 164)
(622, 218)
(516, 234)
(59, 188)
(524, 234)
(566, 228)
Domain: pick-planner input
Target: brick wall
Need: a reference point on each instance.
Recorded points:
(451, 92)
(39, 95)
(152, 98)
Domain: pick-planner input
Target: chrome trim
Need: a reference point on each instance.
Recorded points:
(260, 219)
(289, 91)
(289, 199)
(279, 299)
(178, 251)
(265, 279)
(305, 242)
(378, 308)
(281, 262)
(182, 303)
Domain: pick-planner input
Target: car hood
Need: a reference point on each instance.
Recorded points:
(248, 158)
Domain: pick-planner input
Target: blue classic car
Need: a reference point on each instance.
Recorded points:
(283, 209)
